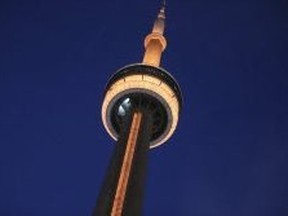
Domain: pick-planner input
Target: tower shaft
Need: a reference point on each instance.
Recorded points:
(122, 191)
(153, 52)
(126, 165)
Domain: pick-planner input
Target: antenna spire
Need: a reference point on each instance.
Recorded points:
(159, 24)
(162, 10)
(155, 42)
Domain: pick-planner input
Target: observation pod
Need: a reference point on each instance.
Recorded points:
(142, 86)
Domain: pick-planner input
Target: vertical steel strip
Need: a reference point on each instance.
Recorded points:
(126, 165)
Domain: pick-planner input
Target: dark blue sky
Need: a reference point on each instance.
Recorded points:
(229, 155)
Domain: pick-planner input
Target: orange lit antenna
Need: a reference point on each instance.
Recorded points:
(155, 43)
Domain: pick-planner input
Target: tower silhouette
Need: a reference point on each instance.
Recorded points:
(140, 111)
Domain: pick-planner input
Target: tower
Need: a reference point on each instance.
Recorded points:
(140, 111)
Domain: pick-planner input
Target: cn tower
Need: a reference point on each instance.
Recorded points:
(140, 111)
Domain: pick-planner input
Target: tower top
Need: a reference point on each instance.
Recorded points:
(155, 43)
(159, 24)
(145, 86)
(162, 10)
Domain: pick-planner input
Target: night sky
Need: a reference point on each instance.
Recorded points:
(229, 154)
